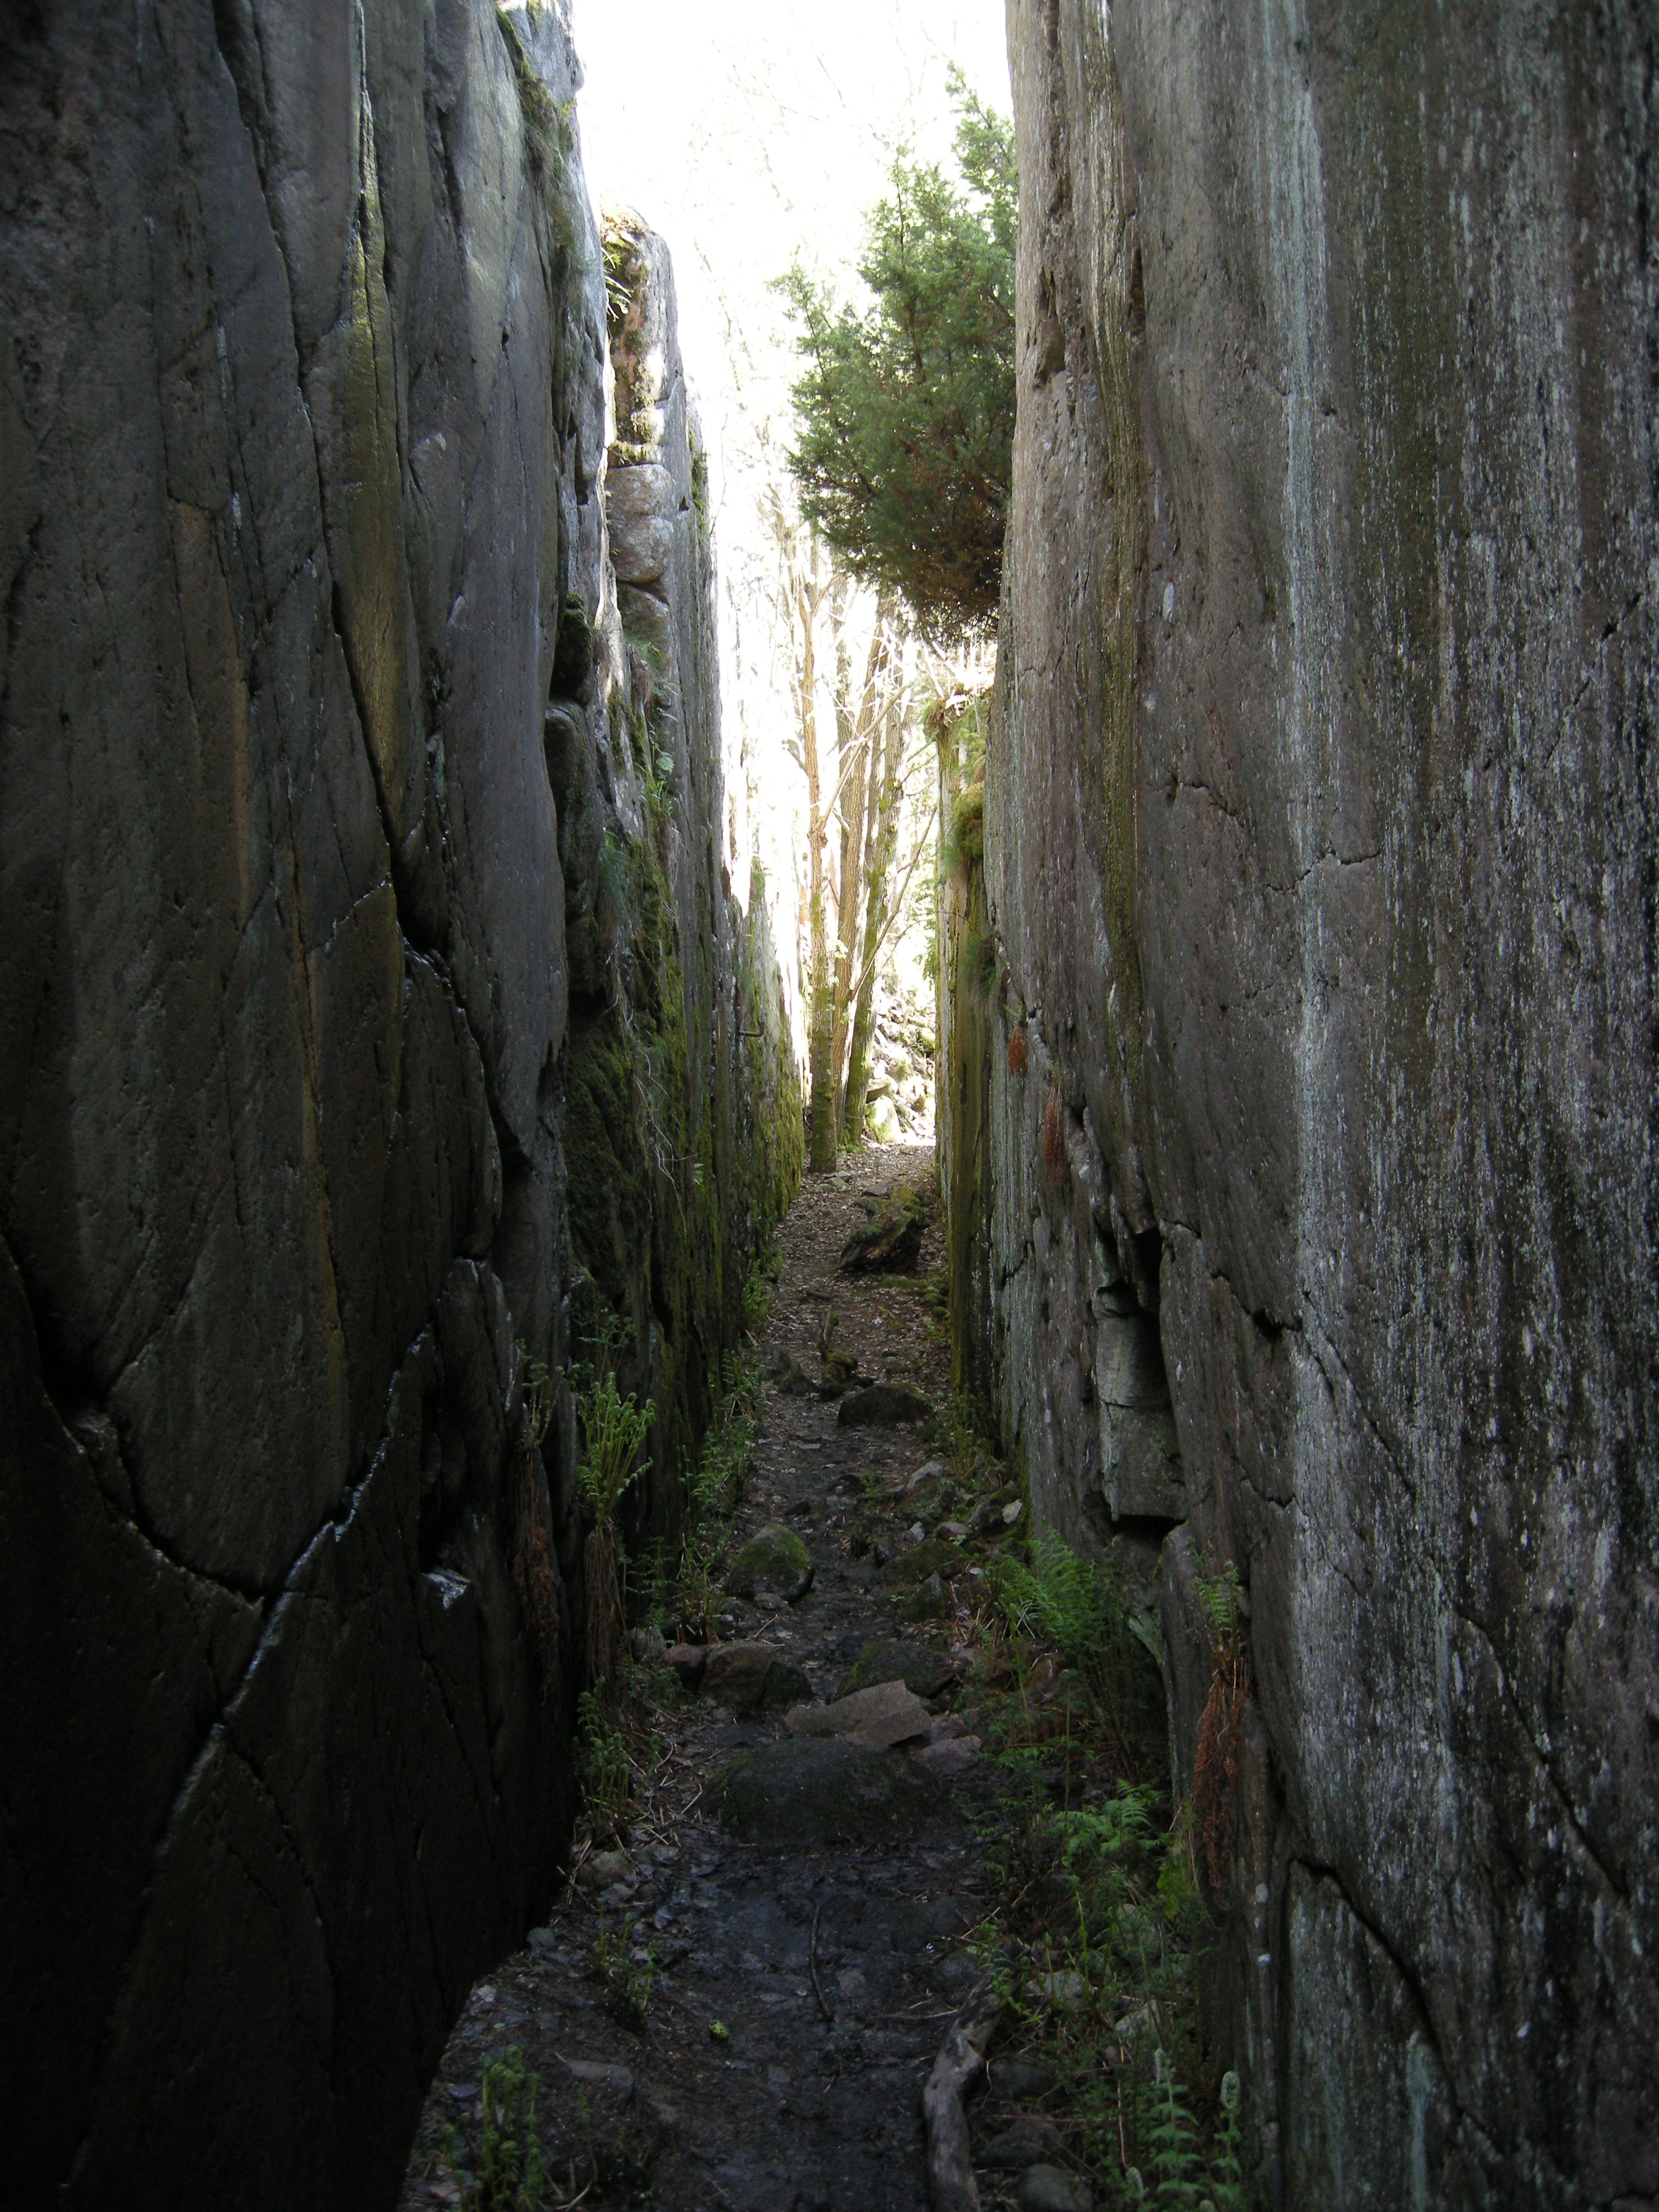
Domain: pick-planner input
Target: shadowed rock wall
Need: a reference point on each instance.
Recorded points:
(1320, 852)
(309, 632)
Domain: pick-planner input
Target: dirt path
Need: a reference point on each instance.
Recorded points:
(802, 1986)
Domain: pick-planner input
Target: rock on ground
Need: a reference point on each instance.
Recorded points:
(820, 1791)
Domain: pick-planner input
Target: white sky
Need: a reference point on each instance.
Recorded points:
(748, 136)
(747, 133)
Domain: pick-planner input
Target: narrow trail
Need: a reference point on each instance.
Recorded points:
(802, 1983)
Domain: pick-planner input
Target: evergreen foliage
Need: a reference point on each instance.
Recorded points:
(906, 411)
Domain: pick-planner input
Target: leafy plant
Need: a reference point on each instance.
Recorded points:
(507, 2176)
(627, 1970)
(607, 1775)
(756, 1304)
(614, 1430)
(714, 1486)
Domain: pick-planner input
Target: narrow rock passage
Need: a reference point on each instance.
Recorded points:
(802, 1980)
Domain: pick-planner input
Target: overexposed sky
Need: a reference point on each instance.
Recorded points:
(748, 134)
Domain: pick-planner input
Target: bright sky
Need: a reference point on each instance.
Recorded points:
(747, 133)
(748, 136)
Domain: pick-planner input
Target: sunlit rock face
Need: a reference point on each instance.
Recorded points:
(310, 635)
(1320, 848)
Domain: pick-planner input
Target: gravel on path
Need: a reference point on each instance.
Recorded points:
(801, 1988)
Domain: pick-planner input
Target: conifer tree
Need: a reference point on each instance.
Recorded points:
(906, 409)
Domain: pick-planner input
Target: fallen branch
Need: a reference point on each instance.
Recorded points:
(812, 1963)
(951, 2184)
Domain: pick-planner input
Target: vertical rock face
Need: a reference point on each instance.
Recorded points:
(322, 831)
(1320, 855)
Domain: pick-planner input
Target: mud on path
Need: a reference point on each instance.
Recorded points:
(801, 1987)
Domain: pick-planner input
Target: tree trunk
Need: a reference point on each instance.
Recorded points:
(861, 787)
(884, 840)
(820, 994)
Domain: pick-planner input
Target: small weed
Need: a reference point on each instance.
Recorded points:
(757, 1301)
(501, 2171)
(1098, 1913)
(614, 1430)
(714, 1486)
(627, 1970)
(1216, 1773)
(607, 1774)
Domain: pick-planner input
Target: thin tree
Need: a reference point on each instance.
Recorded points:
(887, 798)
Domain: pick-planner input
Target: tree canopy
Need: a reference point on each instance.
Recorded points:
(906, 409)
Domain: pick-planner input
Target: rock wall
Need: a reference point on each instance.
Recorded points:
(326, 836)
(1320, 853)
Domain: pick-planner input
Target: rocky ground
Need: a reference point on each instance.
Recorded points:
(738, 2007)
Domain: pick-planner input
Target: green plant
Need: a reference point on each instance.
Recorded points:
(712, 1485)
(545, 121)
(1173, 2133)
(907, 412)
(627, 1970)
(508, 2173)
(607, 1775)
(756, 1300)
(614, 1430)
(1072, 1601)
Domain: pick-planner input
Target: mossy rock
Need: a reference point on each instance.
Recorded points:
(889, 1243)
(922, 1670)
(818, 1789)
(883, 1406)
(934, 1555)
(775, 1556)
(929, 1600)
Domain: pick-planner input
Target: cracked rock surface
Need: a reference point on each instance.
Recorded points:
(310, 671)
(1316, 1098)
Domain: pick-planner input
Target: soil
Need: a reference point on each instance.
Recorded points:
(801, 1989)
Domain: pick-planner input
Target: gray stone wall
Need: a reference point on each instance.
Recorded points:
(1320, 849)
(310, 632)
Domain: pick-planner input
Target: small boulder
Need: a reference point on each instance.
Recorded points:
(917, 1666)
(885, 1714)
(774, 1558)
(784, 1373)
(818, 1789)
(929, 1600)
(1051, 2189)
(934, 1555)
(688, 1662)
(595, 2073)
(752, 1678)
(883, 1406)
(890, 1241)
(949, 1759)
(1021, 2077)
(1027, 2142)
(604, 1869)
